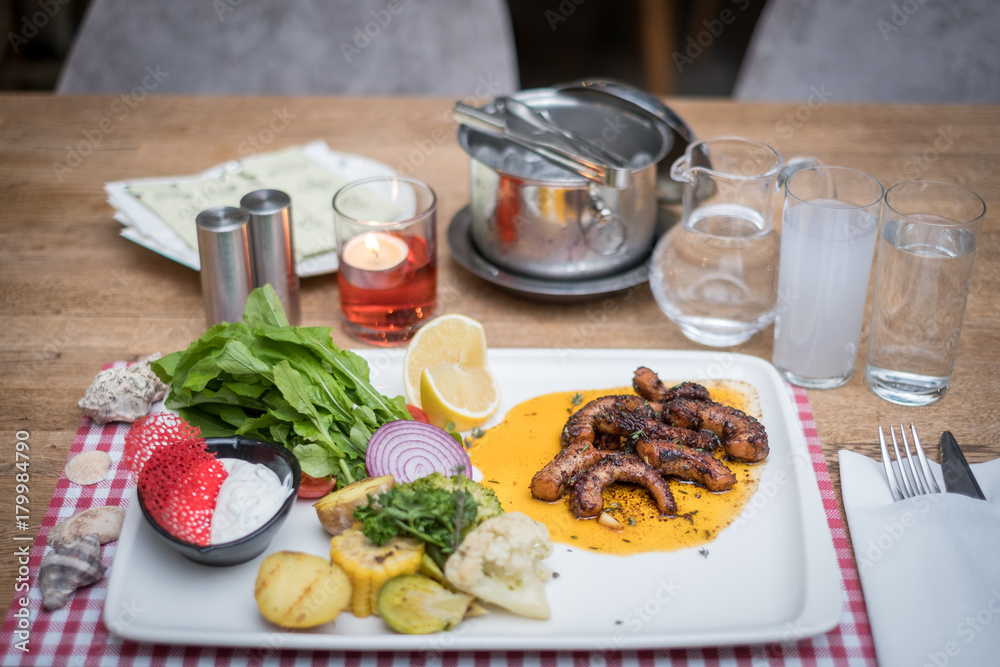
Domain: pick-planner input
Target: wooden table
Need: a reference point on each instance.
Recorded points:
(75, 295)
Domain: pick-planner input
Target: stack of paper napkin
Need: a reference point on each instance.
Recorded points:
(159, 213)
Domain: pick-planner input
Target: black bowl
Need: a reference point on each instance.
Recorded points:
(248, 547)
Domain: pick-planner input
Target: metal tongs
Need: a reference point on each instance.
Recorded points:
(519, 123)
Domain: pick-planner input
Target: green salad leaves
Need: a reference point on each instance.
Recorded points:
(265, 379)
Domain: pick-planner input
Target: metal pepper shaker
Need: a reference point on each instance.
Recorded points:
(272, 247)
(226, 269)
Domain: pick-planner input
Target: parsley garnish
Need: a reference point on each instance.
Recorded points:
(438, 517)
(475, 435)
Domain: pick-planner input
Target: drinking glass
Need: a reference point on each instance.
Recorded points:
(926, 254)
(387, 248)
(714, 273)
(829, 224)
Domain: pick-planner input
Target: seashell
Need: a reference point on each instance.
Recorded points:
(123, 394)
(88, 468)
(68, 567)
(104, 522)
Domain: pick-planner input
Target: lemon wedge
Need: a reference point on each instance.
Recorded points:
(459, 395)
(445, 372)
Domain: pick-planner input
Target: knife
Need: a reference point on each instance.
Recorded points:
(958, 476)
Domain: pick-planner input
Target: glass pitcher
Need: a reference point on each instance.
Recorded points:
(714, 274)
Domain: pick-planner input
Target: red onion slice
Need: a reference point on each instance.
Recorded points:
(408, 450)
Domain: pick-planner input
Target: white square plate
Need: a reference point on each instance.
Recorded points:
(771, 576)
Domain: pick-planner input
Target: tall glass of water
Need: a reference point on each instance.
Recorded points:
(926, 254)
(714, 273)
(828, 229)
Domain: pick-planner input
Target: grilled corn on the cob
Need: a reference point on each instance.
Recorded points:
(369, 566)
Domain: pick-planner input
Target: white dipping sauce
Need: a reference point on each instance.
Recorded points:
(250, 495)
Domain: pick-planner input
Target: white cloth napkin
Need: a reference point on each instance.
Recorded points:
(929, 566)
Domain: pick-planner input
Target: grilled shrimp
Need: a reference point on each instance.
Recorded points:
(743, 437)
(587, 500)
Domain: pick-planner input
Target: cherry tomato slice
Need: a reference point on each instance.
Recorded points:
(316, 487)
(418, 414)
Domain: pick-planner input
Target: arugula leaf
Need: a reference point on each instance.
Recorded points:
(263, 308)
(265, 379)
(316, 460)
(237, 359)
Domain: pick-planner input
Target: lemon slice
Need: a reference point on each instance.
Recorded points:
(445, 373)
(463, 396)
(446, 339)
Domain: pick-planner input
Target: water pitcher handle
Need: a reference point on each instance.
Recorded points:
(680, 170)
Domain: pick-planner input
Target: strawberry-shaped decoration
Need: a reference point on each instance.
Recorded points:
(151, 432)
(193, 502)
(180, 483)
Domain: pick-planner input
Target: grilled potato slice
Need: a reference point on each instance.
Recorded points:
(299, 590)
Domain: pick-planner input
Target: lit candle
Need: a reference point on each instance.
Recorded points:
(375, 251)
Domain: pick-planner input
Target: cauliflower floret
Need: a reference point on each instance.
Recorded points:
(500, 562)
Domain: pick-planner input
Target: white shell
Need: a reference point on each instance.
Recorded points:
(104, 522)
(69, 567)
(88, 468)
(123, 394)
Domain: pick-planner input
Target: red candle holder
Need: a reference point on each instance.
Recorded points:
(387, 249)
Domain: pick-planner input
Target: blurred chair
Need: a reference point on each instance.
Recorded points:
(863, 51)
(294, 47)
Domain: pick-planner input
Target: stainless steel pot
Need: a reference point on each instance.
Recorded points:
(536, 218)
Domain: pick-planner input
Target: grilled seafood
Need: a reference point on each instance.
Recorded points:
(672, 459)
(673, 431)
(657, 430)
(611, 416)
(648, 385)
(615, 415)
(586, 499)
(742, 436)
(608, 442)
(597, 428)
(551, 482)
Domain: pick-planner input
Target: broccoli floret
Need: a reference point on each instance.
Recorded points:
(487, 503)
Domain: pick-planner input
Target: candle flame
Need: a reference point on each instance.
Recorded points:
(371, 243)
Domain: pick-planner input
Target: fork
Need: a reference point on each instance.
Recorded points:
(906, 481)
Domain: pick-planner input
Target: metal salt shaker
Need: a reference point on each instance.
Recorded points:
(272, 247)
(226, 269)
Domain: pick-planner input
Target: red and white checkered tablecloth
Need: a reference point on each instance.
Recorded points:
(76, 635)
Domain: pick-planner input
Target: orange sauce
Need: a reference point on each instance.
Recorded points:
(510, 453)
